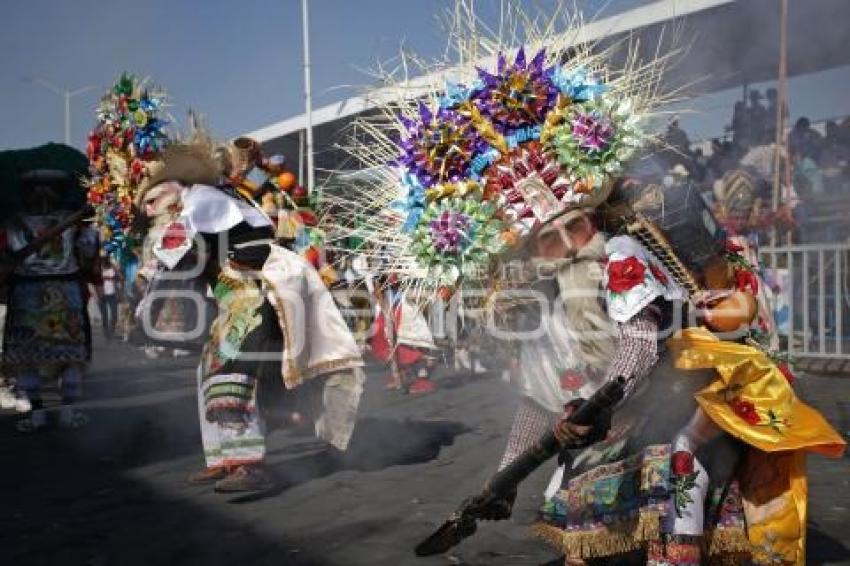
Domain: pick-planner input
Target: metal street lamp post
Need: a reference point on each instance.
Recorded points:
(67, 95)
(308, 106)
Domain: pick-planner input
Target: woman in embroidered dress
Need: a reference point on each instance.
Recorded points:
(47, 332)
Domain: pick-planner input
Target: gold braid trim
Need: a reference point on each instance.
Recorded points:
(725, 541)
(554, 119)
(295, 377)
(461, 188)
(484, 127)
(652, 238)
(624, 536)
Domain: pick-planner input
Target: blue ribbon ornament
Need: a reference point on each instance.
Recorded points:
(415, 202)
(522, 135)
(482, 161)
(456, 93)
(577, 85)
(150, 136)
(150, 105)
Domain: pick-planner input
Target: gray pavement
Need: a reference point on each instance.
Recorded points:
(115, 492)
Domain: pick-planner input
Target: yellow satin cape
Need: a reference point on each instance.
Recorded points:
(753, 401)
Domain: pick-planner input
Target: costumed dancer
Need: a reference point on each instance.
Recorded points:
(402, 340)
(160, 206)
(277, 324)
(48, 333)
(690, 498)
(355, 298)
(517, 160)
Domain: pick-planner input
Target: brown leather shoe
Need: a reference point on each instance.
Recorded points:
(245, 478)
(207, 475)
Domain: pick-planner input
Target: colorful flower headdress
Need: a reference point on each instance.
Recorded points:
(128, 137)
(493, 150)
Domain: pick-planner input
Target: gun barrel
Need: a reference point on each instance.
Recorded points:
(462, 523)
(507, 479)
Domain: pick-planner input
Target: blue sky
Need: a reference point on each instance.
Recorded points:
(238, 63)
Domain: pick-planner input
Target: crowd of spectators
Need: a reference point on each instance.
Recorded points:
(820, 160)
(819, 166)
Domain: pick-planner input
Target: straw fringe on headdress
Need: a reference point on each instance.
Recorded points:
(463, 162)
(194, 158)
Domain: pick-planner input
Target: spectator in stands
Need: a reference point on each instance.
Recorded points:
(756, 119)
(836, 137)
(805, 140)
(676, 138)
(808, 177)
(714, 160)
(834, 156)
(739, 124)
(772, 104)
(844, 132)
(760, 160)
(699, 166)
(677, 146)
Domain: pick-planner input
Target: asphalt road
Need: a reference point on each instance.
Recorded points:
(115, 492)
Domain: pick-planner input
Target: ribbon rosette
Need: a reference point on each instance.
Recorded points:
(438, 146)
(577, 85)
(594, 140)
(517, 95)
(457, 235)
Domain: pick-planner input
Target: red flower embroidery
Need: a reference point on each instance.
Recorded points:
(570, 380)
(658, 274)
(733, 248)
(682, 463)
(625, 274)
(746, 410)
(683, 480)
(746, 279)
(174, 237)
(786, 371)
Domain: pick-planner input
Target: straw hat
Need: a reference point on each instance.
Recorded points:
(186, 163)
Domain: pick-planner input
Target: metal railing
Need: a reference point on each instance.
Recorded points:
(811, 297)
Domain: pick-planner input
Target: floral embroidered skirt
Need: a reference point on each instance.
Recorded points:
(244, 345)
(46, 323)
(616, 495)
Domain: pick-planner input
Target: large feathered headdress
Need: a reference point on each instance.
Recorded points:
(467, 161)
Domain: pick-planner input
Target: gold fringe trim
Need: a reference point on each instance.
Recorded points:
(733, 559)
(624, 536)
(295, 378)
(727, 541)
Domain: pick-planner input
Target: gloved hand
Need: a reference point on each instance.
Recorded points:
(573, 436)
(492, 508)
